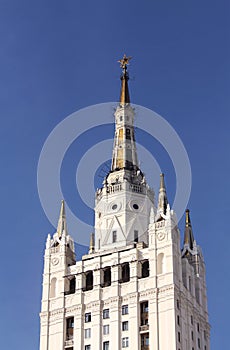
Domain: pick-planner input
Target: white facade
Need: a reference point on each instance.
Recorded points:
(135, 289)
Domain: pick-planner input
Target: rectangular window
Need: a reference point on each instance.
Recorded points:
(106, 329)
(87, 347)
(135, 236)
(69, 328)
(198, 327)
(114, 236)
(179, 337)
(88, 317)
(198, 341)
(145, 339)
(178, 320)
(125, 342)
(105, 345)
(125, 309)
(191, 319)
(88, 333)
(106, 313)
(125, 326)
(192, 335)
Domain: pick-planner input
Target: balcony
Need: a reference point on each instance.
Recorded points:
(69, 342)
(144, 328)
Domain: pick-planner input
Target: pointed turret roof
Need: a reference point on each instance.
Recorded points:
(62, 227)
(188, 234)
(162, 197)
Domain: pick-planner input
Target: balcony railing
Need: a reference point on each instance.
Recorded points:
(144, 328)
(69, 342)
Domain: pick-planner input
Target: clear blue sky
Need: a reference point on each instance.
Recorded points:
(59, 56)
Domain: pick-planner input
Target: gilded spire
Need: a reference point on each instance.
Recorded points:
(62, 220)
(188, 234)
(124, 95)
(162, 198)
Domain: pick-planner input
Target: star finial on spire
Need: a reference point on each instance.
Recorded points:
(124, 62)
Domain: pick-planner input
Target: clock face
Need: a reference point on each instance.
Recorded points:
(55, 261)
(161, 236)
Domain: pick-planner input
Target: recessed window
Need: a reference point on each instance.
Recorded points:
(179, 337)
(121, 118)
(191, 319)
(145, 269)
(135, 206)
(105, 313)
(125, 309)
(125, 272)
(178, 320)
(178, 304)
(106, 277)
(87, 347)
(114, 207)
(192, 336)
(198, 327)
(88, 281)
(88, 317)
(106, 329)
(105, 345)
(69, 328)
(125, 326)
(198, 342)
(88, 333)
(114, 236)
(125, 342)
(135, 236)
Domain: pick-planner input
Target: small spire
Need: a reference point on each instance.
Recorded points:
(62, 221)
(124, 95)
(91, 244)
(162, 198)
(188, 234)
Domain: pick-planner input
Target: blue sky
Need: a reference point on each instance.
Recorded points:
(59, 56)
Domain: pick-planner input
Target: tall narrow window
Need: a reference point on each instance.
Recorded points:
(88, 333)
(125, 326)
(53, 287)
(106, 277)
(145, 269)
(114, 236)
(72, 285)
(144, 313)
(87, 317)
(105, 345)
(125, 273)
(69, 328)
(127, 134)
(105, 313)
(106, 329)
(160, 263)
(88, 281)
(135, 236)
(125, 342)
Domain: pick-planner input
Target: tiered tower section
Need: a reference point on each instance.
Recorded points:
(136, 288)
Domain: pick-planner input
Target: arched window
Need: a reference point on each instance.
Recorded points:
(160, 263)
(53, 287)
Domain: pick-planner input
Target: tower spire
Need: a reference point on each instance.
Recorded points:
(124, 95)
(62, 227)
(162, 198)
(188, 234)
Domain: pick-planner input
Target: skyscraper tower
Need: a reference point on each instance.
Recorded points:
(136, 288)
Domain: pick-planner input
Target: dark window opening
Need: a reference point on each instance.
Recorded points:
(114, 236)
(125, 273)
(106, 277)
(127, 134)
(105, 345)
(179, 337)
(144, 313)
(125, 309)
(145, 341)
(88, 281)
(105, 313)
(72, 286)
(69, 328)
(88, 317)
(135, 236)
(145, 269)
(178, 320)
